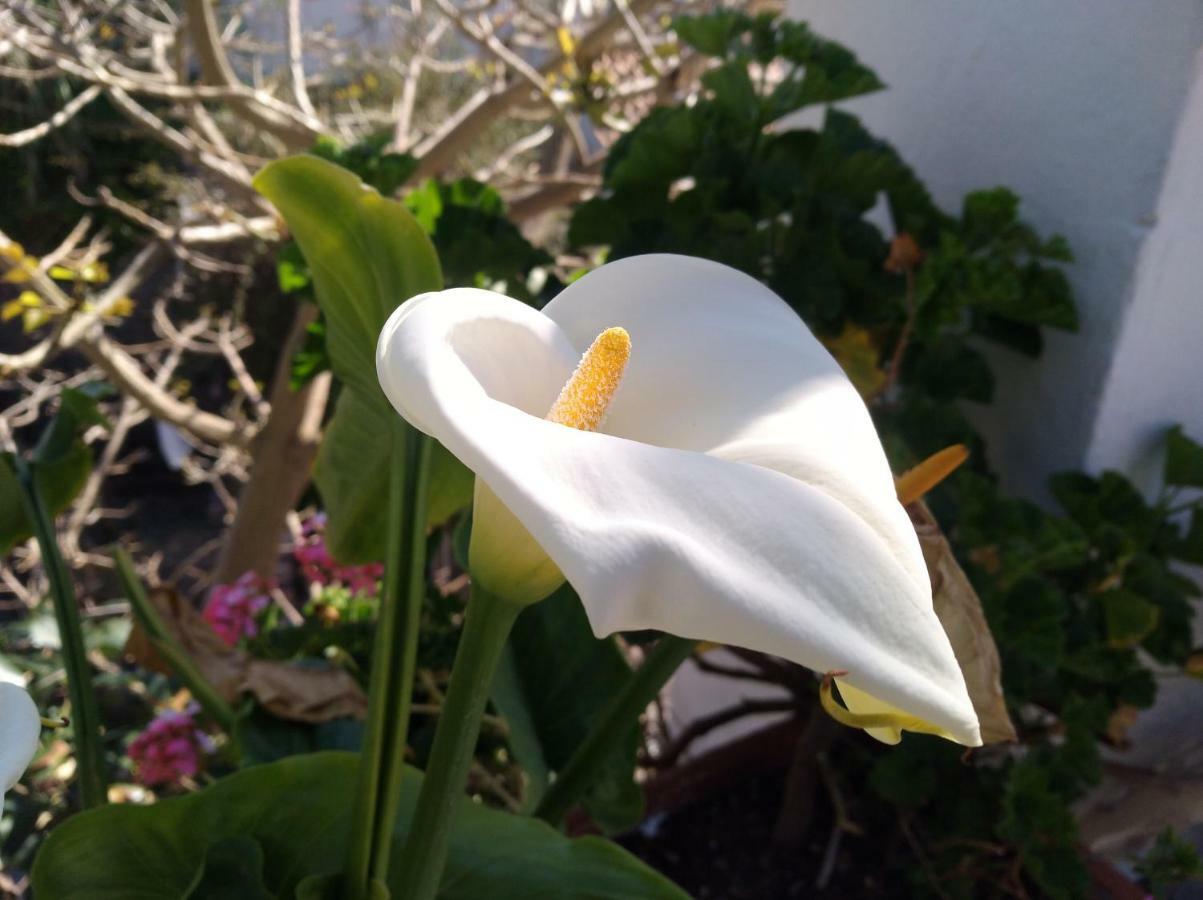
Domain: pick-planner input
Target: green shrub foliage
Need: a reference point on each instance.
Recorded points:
(1073, 597)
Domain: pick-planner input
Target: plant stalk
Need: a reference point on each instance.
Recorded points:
(394, 656)
(85, 714)
(411, 583)
(165, 644)
(486, 629)
(611, 727)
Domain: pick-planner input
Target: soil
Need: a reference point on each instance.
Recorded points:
(720, 848)
(710, 828)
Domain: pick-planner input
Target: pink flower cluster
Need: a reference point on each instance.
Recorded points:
(169, 749)
(234, 609)
(319, 567)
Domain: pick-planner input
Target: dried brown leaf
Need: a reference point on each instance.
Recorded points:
(960, 612)
(302, 693)
(305, 693)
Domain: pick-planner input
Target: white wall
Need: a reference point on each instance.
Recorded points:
(1075, 104)
(1156, 374)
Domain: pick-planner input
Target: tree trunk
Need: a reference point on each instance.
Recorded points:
(283, 454)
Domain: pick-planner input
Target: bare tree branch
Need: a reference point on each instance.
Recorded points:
(216, 69)
(60, 118)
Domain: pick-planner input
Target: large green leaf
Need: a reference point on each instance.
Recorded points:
(297, 812)
(555, 679)
(367, 255)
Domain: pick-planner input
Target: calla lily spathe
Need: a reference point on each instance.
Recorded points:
(20, 726)
(737, 491)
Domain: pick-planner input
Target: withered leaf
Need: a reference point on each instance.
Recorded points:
(959, 610)
(302, 693)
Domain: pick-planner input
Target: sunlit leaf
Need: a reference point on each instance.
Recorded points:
(367, 255)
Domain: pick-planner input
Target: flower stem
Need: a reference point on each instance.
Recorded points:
(411, 587)
(394, 656)
(168, 647)
(611, 727)
(85, 714)
(486, 628)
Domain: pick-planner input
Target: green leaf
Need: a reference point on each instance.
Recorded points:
(1183, 459)
(264, 738)
(1108, 508)
(1029, 620)
(477, 245)
(61, 464)
(712, 34)
(352, 475)
(1041, 825)
(559, 680)
(1170, 861)
(1129, 617)
(297, 811)
(831, 72)
(949, 369)
(292, 273)
(233, 867)
(450, 486)
(367, 255)
(734, 93)
(1190, 547)
(330, 887)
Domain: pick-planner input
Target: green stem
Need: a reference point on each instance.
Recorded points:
(166, 645)
(393, 659)
(411, 582)
(488, 624)
(611, 727)
(85, 714)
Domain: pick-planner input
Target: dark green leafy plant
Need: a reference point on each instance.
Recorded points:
(1170, 861)
(1071, 598)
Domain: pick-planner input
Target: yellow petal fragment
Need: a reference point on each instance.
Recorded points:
(915, 482)
(586, 397)
(883, 723)
(860, 359)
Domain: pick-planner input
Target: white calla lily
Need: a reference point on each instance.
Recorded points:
(737, 491)
(20, 726)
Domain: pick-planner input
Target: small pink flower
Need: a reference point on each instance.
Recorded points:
(319, 567)
(233, 610)
(169, 749)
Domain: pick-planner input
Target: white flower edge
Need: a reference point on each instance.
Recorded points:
(20, 727)
(748, 500)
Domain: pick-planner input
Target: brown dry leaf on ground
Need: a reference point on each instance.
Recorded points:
(960, 612)
(305, 693)
(315, 693)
